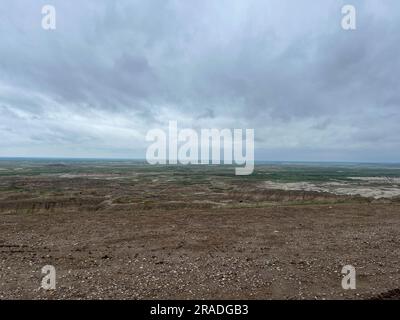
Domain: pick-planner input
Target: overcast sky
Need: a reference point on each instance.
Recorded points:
(114, 69)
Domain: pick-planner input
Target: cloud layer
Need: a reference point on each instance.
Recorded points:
(114, 69)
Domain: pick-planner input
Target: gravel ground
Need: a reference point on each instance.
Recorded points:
(276, 252)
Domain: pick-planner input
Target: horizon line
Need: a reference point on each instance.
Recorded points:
(143, 159)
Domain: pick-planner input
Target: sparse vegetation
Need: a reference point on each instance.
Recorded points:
(195, 231)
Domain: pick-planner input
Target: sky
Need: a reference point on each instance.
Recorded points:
(112, 70)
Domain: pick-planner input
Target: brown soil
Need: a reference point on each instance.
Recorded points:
(110, 240)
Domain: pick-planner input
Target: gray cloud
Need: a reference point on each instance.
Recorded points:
(114, 69)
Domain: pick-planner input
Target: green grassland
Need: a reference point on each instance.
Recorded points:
(192, 174)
